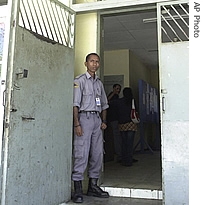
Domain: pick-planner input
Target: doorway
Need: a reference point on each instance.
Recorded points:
(131, 50)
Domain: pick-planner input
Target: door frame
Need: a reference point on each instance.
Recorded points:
(100, 34)
(7, 92)
(4, 70)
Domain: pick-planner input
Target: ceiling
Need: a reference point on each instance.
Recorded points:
(127, 31)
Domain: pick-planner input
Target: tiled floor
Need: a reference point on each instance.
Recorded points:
(138, 184)
(142, 180)
(144, 174)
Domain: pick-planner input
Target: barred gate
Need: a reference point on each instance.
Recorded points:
(173, 21)
(37, 162)
(49, 19)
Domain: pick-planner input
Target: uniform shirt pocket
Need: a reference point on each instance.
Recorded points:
(87, 98)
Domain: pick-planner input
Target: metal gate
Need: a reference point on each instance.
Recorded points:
(173, 41)
(36, 161)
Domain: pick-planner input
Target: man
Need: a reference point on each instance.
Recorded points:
(89, 110)
(112, 119)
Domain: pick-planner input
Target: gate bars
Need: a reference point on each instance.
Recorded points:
(174, 20)
(48, 18)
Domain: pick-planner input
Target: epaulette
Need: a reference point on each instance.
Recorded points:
(79, 76)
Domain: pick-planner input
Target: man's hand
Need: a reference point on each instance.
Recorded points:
(103, 126)
(78, 131)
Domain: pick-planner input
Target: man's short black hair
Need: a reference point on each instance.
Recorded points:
(87, 57)
(116, 85)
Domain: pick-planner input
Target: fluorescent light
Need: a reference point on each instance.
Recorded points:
(153, 20)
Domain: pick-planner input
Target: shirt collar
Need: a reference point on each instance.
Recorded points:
(89, 76)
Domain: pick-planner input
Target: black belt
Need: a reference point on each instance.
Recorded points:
(92, 112)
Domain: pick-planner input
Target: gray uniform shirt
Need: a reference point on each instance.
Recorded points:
(86, 91)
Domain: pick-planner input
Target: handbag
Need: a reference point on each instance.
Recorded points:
(134, 114)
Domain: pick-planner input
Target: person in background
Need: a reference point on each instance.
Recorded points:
(126, 126)
(112, 119)
(89, 112)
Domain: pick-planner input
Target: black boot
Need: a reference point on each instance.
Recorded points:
(78, 195)
(94, 190)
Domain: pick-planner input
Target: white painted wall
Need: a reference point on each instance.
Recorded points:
(117, 63)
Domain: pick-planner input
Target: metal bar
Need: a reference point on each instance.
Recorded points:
(52, 21)
(46, 18)
(71, 35)
(72, 29)
(50, 18)
(69, 25)
(56, 24)
(184, 9)
(36, 16)
(166, 33)
(31, 13)
(175, 21)
(66, 26)
(62, 5)
(62, 34)
(171, 27)
(49, 23)
(22, 18)
(40, 16)
(26, 14)
(58, 18)
(181, 17)
(69, 29)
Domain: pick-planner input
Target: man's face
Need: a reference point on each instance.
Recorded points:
(92, 64)
(117, 89)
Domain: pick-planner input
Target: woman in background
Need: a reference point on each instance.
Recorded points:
(126, 126)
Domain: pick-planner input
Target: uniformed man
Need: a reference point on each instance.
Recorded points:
(89, 110)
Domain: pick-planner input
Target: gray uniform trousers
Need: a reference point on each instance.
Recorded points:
(88, 148)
